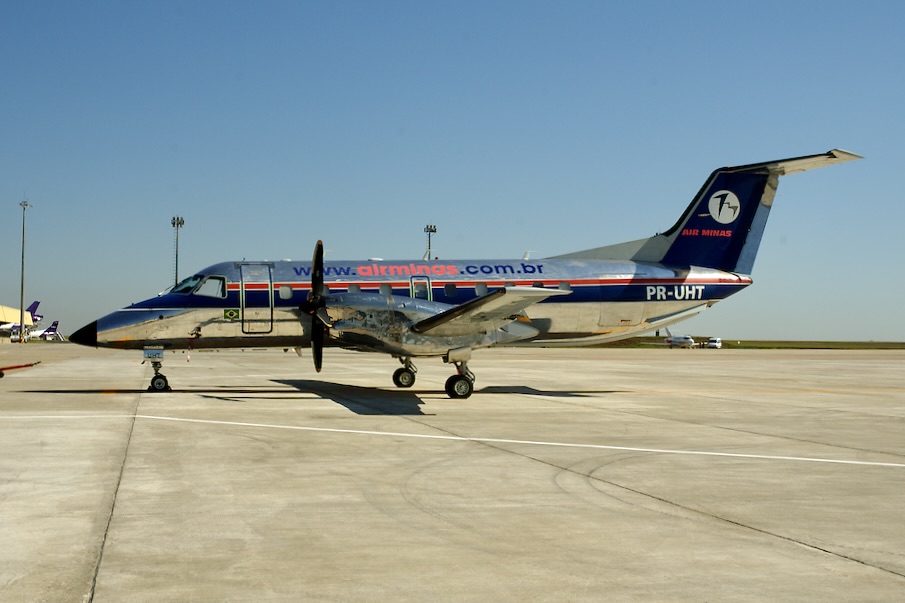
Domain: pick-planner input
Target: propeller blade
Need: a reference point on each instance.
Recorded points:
(317, 272)
(315, 306)
(317, 343)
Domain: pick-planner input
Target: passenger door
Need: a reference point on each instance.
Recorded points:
(256, 298)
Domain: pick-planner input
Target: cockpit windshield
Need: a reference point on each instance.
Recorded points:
(213, 286)
(188, 284)
(207, 286)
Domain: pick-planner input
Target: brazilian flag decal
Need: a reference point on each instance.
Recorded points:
(231, 314)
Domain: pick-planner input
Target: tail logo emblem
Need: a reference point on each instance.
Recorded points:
(724, 207)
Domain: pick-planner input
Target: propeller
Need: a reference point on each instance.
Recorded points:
(315, 306)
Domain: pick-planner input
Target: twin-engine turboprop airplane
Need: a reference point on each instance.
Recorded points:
(444, 308)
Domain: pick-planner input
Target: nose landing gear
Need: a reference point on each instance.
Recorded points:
(159, 381)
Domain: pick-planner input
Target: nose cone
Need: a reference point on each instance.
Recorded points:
(87, 335)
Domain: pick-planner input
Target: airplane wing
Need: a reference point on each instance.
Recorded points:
(489, 311)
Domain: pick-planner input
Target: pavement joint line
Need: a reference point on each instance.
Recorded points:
(89, 597)
(767, 457)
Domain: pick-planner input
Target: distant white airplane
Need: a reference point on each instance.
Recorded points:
(47, 334)
(678, 341)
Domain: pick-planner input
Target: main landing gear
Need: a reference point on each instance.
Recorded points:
(405, 376)
(458, 386)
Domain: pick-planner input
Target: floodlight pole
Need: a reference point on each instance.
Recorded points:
(177, 222)
(429, 229)
(24, 205)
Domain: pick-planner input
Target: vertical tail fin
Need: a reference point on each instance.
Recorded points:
(723, 225)
(722, 228)
(33, 309)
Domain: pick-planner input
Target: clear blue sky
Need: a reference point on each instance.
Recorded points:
(512, 126)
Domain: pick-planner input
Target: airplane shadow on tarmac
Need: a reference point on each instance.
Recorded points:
(363, 400)
(531, 391)
(360, 400)
(375, 401)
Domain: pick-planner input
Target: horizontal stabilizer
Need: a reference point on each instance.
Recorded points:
(488, 311)
(784, 167)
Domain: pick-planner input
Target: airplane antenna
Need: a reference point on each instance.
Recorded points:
(429, 229)
(177, 222)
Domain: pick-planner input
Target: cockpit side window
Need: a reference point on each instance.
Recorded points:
(213, 286)
(188, 284)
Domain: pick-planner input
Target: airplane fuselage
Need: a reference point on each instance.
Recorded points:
(241, 304)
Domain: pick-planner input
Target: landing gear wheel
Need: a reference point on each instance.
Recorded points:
(459, 386)
(159, 383)
(403, 377)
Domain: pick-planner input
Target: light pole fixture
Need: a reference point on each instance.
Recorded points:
(24, 205)
(429, 229)
(177, 222)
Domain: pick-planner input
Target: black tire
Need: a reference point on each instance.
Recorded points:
(404, 378)
(159, 384)
(459, 387)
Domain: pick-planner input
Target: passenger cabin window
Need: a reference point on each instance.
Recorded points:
(354, 288)
(480, 289)
(420, 291)
(449, 289)
(385, 289)
(213, 286)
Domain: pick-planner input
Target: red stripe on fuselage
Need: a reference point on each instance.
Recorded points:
(435, 282)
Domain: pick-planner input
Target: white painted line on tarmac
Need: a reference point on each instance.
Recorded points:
(395, 434)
